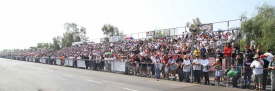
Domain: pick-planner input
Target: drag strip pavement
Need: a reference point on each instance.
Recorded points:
(26, 76)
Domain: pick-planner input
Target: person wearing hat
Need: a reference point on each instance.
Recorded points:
(196, 52)
(272, 69)
(257, 66)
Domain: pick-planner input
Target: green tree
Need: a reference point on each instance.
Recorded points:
(159, 33)
(195, 26)
(56, 43)
(43, 45)
(261, 28)
(33, 48)
(67, 39)
(74, 33)
(110, 30)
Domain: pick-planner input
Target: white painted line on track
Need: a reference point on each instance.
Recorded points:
(130, 89)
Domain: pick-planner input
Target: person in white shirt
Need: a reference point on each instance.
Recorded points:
(205, 64)
(197, 69)
(186, 68)
(257, 66)
(269, 55)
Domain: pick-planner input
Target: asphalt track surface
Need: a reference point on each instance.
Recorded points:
(27, 76)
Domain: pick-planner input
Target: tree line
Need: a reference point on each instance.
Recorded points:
(75, 33)
(260, 29)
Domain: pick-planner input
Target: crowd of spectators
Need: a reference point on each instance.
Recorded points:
(186, 57)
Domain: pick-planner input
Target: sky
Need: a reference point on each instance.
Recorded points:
(25, 23)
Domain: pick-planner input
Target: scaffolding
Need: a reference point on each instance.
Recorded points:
(220, 26)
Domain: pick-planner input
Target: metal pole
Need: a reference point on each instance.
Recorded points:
(228, 24)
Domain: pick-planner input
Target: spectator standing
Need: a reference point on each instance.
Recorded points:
(179, 69)
(172, 66)
(236, 52)
(236, 75)
(239, 60)
(158, 66)
(269, 55)
(148, 62)
(249, 52)
(203, 51)
(228, 53)
(205, 64)
(197, 69)
(272, 77)
(186, 68)
(75, 62)
(265, 71)
(164, 62)
(219, 55)
(257, 66)
(196, 52)
(219, 71)
(87, 61)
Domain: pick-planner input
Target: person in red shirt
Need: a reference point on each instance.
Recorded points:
(228, 50)
(164, 59)
(227, 54)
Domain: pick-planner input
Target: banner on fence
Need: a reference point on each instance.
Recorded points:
(58, 61)
(42, 60)
(81, 64)
(68, 62)
(118, 66)
(33, 60)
